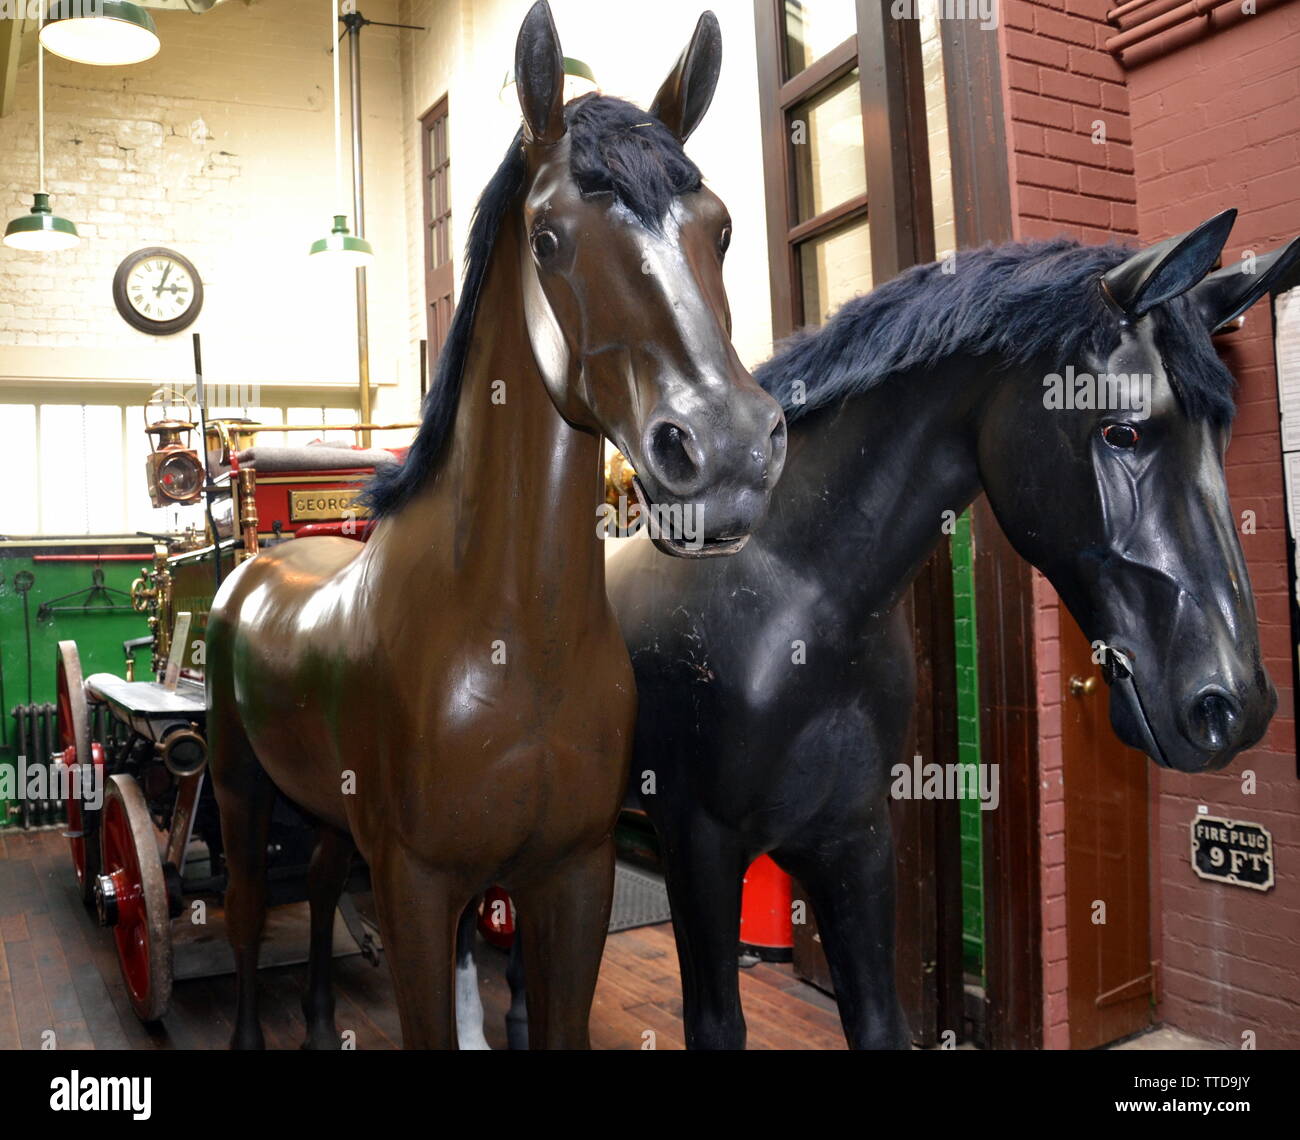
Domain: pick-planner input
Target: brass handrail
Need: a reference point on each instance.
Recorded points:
(225, 429)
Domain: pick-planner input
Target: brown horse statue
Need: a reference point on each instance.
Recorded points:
(454, 697)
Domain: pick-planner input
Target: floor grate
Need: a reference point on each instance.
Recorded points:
(640, 899)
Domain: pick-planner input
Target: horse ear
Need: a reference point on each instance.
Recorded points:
(1167, 268)
(1225, 295)
(688, 90)
(539, 76)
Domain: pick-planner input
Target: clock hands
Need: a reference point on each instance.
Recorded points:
(141, 286)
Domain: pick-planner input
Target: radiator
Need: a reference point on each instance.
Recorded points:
(36, 737)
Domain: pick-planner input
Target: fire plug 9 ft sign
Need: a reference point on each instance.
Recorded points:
(1231, 851)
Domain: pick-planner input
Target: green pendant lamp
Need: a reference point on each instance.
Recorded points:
(106, 33)
(343, 250)
(41, 229)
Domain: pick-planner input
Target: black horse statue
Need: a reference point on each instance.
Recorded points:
(776, 686)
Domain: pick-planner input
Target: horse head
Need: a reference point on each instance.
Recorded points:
(622, 248)
(1110, 479)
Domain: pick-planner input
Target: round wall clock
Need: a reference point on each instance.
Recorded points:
(158, 291)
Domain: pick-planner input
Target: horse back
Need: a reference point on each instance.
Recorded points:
(273, 647)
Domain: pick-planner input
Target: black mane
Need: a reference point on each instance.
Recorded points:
(1021, 302)
(615, 148)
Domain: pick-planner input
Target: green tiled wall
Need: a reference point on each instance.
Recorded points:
(968, 746)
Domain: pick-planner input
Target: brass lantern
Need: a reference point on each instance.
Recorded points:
(173, 467)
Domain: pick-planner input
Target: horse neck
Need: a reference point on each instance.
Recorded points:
(873, 479)
(511, 504)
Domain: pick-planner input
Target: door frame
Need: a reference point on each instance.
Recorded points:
(1004, 589)
(439, 281)
(887, 55)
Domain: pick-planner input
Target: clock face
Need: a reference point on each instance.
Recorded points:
(158, 291)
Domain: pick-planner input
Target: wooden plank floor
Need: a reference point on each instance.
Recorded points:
(59, 973)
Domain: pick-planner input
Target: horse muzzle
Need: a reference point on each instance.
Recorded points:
(1207, 730)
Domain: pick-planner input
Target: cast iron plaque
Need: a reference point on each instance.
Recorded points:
(1231, 851)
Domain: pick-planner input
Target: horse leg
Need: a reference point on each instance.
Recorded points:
(704, 866)
(517, 1014)
(850, 883)
(469, 1002)
(245, 796)
(418, 912)
(326, 877)
(563, 917)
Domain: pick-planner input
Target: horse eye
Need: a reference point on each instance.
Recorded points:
(724, 238)
(1123, 436)
(544, 243)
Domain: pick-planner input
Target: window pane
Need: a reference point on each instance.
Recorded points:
(18, 506)
(813, 27)
(268, 416)
(826, 148)
(833, 268)
(301, 416)
(82, 470)
(936, 116)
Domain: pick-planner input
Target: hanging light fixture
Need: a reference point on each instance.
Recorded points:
(346, 250)
(101, 32)
(41, 229)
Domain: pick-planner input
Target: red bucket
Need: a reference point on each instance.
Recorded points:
(766, 930)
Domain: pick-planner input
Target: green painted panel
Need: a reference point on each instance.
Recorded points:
(90, 621)
(968, 745)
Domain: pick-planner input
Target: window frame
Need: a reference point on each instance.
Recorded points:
(439, 279)
(887, 55)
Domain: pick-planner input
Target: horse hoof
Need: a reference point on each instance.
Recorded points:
(325, 1039)
(323, 1043)
(517, 1033)
(248, 1039)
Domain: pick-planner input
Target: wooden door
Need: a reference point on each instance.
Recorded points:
(1108, 916)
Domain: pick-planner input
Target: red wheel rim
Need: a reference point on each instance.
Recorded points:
(131, 893)
(131, 931)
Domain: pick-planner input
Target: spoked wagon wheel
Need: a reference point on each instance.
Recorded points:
(131, 897)
(75, 742)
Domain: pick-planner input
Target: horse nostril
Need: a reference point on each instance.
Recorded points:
(1215, 719)
(672, 454)
(776, 445)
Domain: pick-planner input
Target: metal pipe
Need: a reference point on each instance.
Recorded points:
(353, 22)
(207, 467)
(1162, 23)
(1124, 9)
(88, 557)
(1149, 10)
(253, 429)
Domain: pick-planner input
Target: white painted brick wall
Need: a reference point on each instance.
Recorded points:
(221, 148)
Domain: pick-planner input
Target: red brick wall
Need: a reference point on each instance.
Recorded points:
(1058, 84)
(1201, 119)
(1215, 123)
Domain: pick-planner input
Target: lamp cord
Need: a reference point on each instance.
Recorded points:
(40, 99)
(338, 135)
